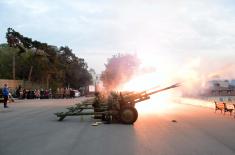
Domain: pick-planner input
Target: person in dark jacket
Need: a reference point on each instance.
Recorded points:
(5, 93)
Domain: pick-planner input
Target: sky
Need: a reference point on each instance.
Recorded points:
(156, 30)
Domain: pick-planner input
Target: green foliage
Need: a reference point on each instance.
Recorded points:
(58, 65)
(6, 55)
(119, 70)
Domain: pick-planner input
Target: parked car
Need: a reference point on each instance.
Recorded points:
(77, 93)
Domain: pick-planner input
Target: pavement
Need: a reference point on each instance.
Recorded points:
(29, 127)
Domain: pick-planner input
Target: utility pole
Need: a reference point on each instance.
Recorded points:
(14, 66)
(49, 74)
(48, 77)
(30, 73)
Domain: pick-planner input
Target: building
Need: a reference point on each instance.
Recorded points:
(221, 90)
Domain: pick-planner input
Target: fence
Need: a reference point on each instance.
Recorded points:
(12, 84)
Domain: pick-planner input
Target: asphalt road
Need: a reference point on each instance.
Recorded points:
(30, 128)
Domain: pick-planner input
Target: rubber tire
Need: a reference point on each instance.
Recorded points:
(128, 115)
(107, 118)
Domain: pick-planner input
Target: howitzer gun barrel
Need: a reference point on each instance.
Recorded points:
(140, 93)
(163, 89)
(145, 95)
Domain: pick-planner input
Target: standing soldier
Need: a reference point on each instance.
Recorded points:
(5, 93)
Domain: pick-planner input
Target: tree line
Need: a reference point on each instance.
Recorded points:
(27, 59)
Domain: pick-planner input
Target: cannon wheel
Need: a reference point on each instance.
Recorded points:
(107, 118)
(128, 115)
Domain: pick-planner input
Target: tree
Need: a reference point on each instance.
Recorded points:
(42, 63)
(6, 57)
(118, 70)
(75, 69)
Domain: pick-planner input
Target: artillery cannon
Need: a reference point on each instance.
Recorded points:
(119, 107)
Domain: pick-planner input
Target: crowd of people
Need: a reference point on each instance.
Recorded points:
(20, 93)
(32, 94)
(43, 93)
